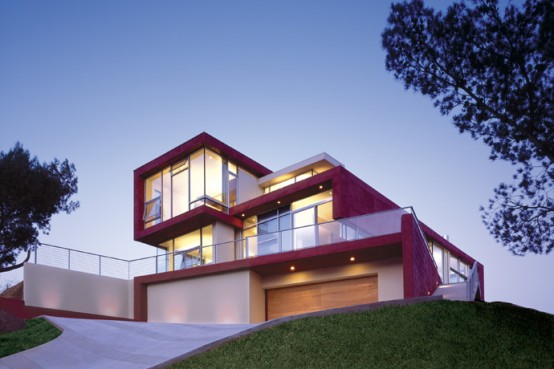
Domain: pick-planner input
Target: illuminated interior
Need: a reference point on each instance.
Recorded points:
(203, 178)
(450, 268)
(288, 227)
(289, 181)
(189, 250)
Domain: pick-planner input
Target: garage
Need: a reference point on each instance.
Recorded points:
(320, 296)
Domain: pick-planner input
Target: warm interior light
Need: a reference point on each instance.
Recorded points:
(352, 258)
(292, 268)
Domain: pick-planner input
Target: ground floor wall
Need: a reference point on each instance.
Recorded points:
(241, 296)
(233, 297)
(67, 290)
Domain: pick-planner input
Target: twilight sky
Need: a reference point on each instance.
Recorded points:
(110, 85)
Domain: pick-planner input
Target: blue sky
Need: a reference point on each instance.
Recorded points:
(112, 84)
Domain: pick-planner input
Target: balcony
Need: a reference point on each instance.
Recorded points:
(317, 235)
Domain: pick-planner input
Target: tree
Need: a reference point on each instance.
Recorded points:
(494, 74)
(30, 193)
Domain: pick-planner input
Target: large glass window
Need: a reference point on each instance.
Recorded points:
(203, 178)
(180, 184)
(197, 178)
(189, 250)
(289, 227)
(450, 268)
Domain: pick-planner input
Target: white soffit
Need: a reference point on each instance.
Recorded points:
(319, 163)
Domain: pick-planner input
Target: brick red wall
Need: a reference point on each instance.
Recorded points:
(420, 273)
(17, 307)
(351, 196)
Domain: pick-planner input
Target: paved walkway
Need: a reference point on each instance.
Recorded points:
(111, 344)
(100, 344)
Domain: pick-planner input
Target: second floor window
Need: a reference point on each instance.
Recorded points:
(203, 178)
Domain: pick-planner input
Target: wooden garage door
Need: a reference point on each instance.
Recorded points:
(319, 296)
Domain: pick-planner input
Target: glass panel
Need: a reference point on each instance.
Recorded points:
(166, 196)
(180, 166)
(180, 193)
(187, 241)
(281, 184)
(463, 269)
(320, 197)
(329, 233)
(304, 237)
(268, 241)
(214, 176)
(207, 236)
(166, 260)
(249, 232)
(152, 212)
(303, 176)
(207, 255)
(453, 277)
(249, 222)
(304, 218)
(325, 212)
(197, 175)
(285, 222)
(232, 168)
(153, 187)
(438, 256)
(232, 188)
(191, 258)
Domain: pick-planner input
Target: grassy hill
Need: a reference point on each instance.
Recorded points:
(441, 334)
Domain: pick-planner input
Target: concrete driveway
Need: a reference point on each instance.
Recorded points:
(100, 344)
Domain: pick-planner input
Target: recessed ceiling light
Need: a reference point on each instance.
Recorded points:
(292, 268)
(242, 215)
(352, 258)
(321, 187)
(278, 202)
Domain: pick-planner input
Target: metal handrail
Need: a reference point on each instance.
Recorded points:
(97, 263)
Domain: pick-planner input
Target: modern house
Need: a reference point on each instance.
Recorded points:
(239, 243)
(243, 243)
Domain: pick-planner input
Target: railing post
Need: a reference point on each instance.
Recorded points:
(99, 264)
(316, 230)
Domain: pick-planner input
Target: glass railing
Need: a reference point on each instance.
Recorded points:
(349, 229)
(343, 230)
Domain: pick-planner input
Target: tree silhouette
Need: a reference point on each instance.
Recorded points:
(30, 193)
(493, 72)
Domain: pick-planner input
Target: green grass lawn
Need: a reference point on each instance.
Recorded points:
(441, 334)
(37, 332)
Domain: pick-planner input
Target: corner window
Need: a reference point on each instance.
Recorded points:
(203, 178)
